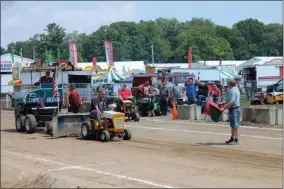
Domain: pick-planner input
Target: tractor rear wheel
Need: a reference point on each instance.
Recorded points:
(30, 124)
(20, 123)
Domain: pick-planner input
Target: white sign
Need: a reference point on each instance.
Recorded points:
(6, 66)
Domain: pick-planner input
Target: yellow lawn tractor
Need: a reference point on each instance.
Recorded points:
(274, 98)
(114, 126)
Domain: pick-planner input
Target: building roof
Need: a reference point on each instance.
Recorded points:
(259, 60)
(224, 62)
(17, 59)
(179, 65)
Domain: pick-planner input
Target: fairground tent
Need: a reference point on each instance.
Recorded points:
(110, 76)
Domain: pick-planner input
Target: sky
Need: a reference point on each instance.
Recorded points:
(20, 20)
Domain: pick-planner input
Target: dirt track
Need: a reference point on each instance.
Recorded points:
(162, 153)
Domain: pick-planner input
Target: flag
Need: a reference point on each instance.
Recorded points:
(58, 53)
(73, 54)
(94, 61)
(109, 53)
(12, 55)
(34, 57)
(46, 55)
(50, 56)
(212, 109)
(189, 57)
(21, 54)
(55, 85)
(41, 100)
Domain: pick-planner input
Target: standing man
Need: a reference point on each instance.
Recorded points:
(174, 93)
(97, 107)
(191, 90)
(74, 100)
(164, 97)
(233, 105)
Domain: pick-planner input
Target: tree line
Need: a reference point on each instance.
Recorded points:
(170, 38)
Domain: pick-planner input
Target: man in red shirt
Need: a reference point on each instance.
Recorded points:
(124, 94)
(74, 100)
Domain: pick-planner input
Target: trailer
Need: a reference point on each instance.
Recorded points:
(204, 74)
(258, 77)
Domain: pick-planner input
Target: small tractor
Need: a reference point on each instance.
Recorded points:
(114, 126)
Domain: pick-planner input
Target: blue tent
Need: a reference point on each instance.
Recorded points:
(127, 80)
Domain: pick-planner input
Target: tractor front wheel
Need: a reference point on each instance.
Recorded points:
(85, 131)
(48, 127)
(127, 134)
(136, 117)
(105, 136)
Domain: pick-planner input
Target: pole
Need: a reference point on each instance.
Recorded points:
(58, 96)
(152, 47)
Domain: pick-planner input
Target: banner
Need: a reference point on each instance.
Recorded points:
(189, 57)
(73, 54)
(109, 53)
(94, 61)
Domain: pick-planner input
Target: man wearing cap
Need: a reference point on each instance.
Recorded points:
(74, 100)
(233, 105)
(45, 79)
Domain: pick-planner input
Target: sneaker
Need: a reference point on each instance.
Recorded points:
(236, 141)
(230, 141)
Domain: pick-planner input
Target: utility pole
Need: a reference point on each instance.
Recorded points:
(152, 47)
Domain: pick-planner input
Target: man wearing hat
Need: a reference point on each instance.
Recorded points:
(74, 100)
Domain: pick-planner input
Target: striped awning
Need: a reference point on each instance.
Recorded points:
(111, 76)
(226, 75)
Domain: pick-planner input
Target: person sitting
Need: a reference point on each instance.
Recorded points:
(98, 105)
(124, 94)
(145, 87)
(215, 93)
(74, 100)
(45, 79)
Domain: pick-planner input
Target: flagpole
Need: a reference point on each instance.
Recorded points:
(152, 47)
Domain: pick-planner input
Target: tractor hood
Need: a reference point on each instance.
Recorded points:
(20, 95)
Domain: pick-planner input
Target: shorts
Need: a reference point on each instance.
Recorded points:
(234, 117)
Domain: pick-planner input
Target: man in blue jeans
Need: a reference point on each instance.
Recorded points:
(233, 105)
(98, 105)
(191, 90)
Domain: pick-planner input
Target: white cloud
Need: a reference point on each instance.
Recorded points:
(23, 20)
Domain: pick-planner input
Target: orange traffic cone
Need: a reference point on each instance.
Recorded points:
(175, 112)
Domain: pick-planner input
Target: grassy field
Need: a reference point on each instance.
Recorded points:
(244, 102)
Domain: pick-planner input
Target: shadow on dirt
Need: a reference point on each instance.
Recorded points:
(10, 130)
(212, 144)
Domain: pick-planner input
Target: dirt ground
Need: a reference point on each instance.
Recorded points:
(162, 153)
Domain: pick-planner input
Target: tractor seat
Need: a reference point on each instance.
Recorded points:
(127, 101)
